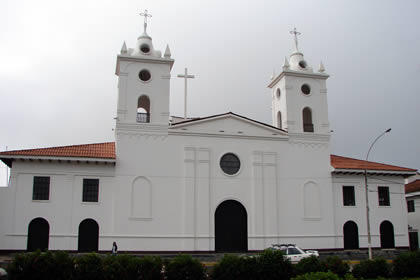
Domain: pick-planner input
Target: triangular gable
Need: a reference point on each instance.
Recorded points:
(229, 124)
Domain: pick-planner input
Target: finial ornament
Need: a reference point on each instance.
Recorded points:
(295, 32)
(167, 52)
(285, 63)
(321, 67)
(145, 14)
(124, 48)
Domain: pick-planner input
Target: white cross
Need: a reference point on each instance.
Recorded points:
(145, 15)
(186, 77)
(295, 32)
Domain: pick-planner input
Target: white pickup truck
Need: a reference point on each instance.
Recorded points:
(293, 252)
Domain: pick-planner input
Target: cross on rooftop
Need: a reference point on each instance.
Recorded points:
(295, 32)
(145, 14)
(186, 77)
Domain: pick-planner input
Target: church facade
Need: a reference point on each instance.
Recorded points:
(218, 183)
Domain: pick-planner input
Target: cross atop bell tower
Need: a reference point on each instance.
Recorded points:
(299, 96)
(295, 33)
(143, 91)
(145, 14)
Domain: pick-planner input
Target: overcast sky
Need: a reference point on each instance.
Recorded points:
(58, 83)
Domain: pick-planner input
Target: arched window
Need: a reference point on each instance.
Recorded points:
(351, 235)
(38, 235)
(387, 235)
(143, 109)
(308, 126)
(88, 236)
(279, 124)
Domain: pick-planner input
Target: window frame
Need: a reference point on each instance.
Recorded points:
(86, 196)
(353, 196)
(383, 201)
(224, 168)
(37, 192)
(411, 208)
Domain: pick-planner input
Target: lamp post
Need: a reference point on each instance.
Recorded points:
(367, 194)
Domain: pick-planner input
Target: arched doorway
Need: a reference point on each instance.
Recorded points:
(88, 236)
(351, 235)
(38, 235)
(387, 235)
(231, 227)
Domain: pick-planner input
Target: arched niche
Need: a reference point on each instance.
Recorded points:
(311, 200)
(141, 198)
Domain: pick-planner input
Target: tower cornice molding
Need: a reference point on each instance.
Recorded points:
(146, 59)
(297, 74)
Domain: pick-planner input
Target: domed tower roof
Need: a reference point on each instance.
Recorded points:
(144, 44)
(297, 61)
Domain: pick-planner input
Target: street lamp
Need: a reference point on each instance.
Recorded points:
(367, 196)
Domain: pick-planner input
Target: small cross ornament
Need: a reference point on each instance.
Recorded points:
(295, 32)
(145, 14)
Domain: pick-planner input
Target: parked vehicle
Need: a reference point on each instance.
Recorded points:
(293, 252)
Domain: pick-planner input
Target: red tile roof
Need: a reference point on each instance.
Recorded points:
(413, 186)
(107, 151)
(99, 150)
(339, 162)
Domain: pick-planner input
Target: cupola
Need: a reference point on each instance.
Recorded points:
(297, 61)
(144, 44)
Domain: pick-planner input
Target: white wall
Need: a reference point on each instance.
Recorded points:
(396, 213)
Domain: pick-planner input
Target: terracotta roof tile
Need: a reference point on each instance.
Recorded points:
(107, 151)
(413, 186)
(339, 162)
(99, 150)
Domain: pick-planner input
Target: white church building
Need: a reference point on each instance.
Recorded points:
(221, 183)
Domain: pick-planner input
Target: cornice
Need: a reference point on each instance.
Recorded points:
(155, 60)
(297, 74)
(179, 132)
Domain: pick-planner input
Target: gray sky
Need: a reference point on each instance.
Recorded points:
(57, 65)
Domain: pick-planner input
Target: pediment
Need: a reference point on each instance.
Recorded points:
(228, 124)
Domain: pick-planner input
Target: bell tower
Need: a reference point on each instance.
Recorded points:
(143, 86)
(299, 96)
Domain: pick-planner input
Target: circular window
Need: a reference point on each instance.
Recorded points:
(302, 64)
(145, 48)
(306, 89)
(278, 93)
(230, 164)
(144, 75)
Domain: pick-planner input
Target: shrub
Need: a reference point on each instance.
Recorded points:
(41, 265)
(229, 267)
(372, 269)
(150, 268)
(90, 267)
(250, 268)
(335, 265)
(271, 265)
(317, 276)
(306, 265)
(184, 267)
(63, 266)
(234, 267)
(117, 267)
(407, 264)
